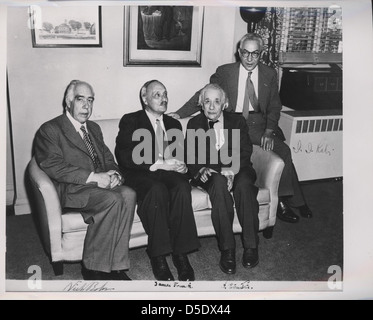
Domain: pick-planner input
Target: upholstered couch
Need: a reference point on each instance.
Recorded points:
(63, 234)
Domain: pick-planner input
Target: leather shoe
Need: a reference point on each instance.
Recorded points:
(228, 261)
(184, 269)
(161, 269)
(250, 258)
(284, 213)
(120, 275)
(93, 275)
(305, 212)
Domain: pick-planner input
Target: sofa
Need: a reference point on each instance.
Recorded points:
(63, 235)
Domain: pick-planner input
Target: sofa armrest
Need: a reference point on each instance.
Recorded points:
(47, 209)
(268, 167)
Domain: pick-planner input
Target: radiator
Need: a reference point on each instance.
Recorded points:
(315, 140)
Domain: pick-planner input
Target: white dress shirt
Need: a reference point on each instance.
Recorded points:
(219, 132)
(243, 73)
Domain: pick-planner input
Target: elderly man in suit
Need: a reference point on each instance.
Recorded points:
(71, 150)
(228, 169)
(160, 181)
(252, 90)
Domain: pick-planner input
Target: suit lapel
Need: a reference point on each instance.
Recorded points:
(263, 87)
(72, 135)
(145, 123)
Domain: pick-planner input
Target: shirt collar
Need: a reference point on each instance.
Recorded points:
(77, 125)
(153, 118)
(243, 70)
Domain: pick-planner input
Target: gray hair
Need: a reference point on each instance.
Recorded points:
(144, 89)
(215, 86)
(70, 90)
(253, 37)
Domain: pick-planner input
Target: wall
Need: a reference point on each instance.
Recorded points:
(39, 76)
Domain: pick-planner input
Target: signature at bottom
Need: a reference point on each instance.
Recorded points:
(237, 285)
(81, 286)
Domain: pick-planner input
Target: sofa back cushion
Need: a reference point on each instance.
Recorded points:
(110, 129)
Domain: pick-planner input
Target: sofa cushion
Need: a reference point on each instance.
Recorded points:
(73, 222)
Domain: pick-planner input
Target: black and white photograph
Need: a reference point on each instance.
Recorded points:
(163, 35)
(187, 148)
(65, 27)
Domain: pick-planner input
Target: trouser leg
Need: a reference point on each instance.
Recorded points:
(110, 216)
(245, 194)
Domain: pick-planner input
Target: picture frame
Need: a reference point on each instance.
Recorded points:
(65, 27)
(163, 36)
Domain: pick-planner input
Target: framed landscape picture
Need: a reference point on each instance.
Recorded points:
(163, 35)
(62, 27)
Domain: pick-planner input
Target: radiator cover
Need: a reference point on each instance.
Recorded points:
(315, 140)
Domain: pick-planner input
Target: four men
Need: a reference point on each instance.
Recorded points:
(71, 150)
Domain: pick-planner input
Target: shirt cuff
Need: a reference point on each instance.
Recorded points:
(90, 178)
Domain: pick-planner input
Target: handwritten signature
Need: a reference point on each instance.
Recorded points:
(81, 286)
(182, 285)
(321, 148)
(237, 285)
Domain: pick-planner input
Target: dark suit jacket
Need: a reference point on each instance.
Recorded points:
(227, 76)
(61, 153)
(125, 144)
(243, 147)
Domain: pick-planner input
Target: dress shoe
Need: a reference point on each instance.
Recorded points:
(284, 213)
(250, 258)
(92, 275)
(305, 212)
(184, 269)
(161, 270)
(119, 276)
(228, 261)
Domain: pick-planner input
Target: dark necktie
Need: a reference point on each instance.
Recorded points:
(162, 144)
(90, 147)
(250, 96)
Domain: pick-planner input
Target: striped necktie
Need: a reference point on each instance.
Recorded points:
(90, 147)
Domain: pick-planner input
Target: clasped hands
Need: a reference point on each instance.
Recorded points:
(170, 165)
(107, 180)
(205, 173)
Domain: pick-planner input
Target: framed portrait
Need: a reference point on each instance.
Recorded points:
(163, 35)
(62, 27)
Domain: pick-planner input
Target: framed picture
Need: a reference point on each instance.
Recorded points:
(62, 27)
(163, 35)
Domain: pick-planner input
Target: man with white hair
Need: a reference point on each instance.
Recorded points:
(228, 169)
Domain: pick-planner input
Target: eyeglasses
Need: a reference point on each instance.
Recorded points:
(81, 100)
(246, 54)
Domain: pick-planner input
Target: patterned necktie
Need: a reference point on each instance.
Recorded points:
(250, 96)
(159, 135)
(90, 147)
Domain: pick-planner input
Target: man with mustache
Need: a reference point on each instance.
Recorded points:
(162, 186)
(219, 175)
(252, 90)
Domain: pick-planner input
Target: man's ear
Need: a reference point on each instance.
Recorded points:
(143, 95)
(225, 106)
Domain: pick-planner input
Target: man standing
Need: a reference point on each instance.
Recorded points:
(72, 152)
(219, 174)
(252, 90)
(161, 183)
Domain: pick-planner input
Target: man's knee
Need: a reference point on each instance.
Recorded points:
(128, 193)
(219, 182)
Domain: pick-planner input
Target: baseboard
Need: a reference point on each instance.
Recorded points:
(9, 194)
(22, 207)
